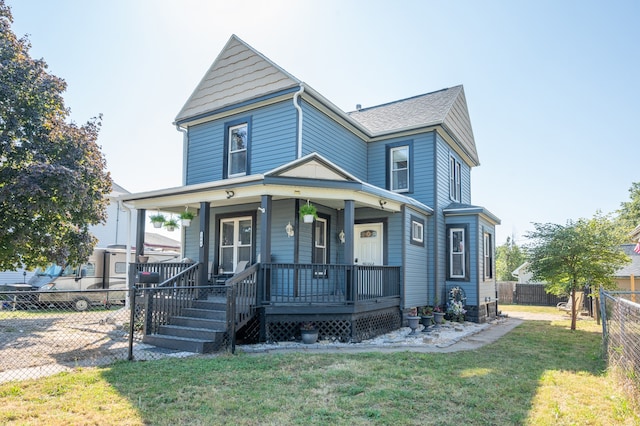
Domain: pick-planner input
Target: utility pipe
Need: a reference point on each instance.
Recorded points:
(299, 108)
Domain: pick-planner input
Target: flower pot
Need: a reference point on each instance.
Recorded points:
(186, 222)
(307, 218)
(438, 317)
(309, 336)
(171, 228)
(413, 323)
(143, 259)
(157, 224)
(426, 320)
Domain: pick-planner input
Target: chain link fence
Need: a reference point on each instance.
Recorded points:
(620, 312)
(44, 333)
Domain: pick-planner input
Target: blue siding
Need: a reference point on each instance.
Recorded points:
(326, 137)
(486, 288)
(415, 269)
(272, 143)
(470, 286)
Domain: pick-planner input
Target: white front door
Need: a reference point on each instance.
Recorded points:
(235, 242)
(368, 244)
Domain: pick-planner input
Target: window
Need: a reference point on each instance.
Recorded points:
(235, 242)
(120, 267)
(488, 256)
(457, 253)
(417, 231)
(237, 145)
(454, 179)
(400, 169)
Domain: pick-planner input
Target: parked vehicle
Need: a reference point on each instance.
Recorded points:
(78, 285)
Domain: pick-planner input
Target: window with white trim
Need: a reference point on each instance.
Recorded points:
(454, 179)
(488, 256)
(457, 253)
(237, 150)
(320, 241)
(399, 157)
(417, 231)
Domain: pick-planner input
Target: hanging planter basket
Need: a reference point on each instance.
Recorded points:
(158, 220)
(186, 217)
(308, 212)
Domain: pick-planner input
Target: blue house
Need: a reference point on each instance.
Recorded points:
(391, 184)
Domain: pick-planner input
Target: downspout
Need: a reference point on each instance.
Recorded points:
(185, 151)
(299, 109)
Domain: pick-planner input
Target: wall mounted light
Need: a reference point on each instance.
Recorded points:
(341, 236)
(261, 209)
(289, 230)
(382, 203)
(230, 193)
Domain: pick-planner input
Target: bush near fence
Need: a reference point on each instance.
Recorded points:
(620, 313)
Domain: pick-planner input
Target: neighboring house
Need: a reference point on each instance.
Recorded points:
(395, 226)
(628, 277)
(523, 274)
(113, 232)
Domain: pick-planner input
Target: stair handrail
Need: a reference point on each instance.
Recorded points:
(179, 276)
(242, 299)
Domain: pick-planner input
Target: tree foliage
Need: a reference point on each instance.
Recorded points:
(508, 257)
(53, 178)
(629, 213)
(579, 254)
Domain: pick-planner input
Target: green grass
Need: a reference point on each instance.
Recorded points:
(540, 373)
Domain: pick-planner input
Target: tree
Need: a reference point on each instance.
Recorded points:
(629, 213)
(579, 254)
(508, 257)
(53, 180)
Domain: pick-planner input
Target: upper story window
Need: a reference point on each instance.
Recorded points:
(399, 167)
(237, 145)
(454, 179)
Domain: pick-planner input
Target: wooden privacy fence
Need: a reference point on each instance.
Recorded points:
(505, 292)
(534, 294)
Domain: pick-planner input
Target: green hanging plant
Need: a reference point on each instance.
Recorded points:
(308, 210)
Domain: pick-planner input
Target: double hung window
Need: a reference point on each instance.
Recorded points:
(454, 179)
(457, 253)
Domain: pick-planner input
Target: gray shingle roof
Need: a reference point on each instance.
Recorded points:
(446, 107)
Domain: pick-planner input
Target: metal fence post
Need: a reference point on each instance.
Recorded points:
(132, 318)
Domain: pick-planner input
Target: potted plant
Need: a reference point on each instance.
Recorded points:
(186, 217)
(308, 212)
(158, 220)
(413, 320)
(171, 224)
(309, 333)
(426, 315)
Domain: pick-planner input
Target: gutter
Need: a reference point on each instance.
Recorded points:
(123, 207)
(299, 109)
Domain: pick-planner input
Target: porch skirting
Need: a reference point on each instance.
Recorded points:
(335, 326)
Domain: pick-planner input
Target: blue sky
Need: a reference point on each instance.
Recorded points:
(552, 87)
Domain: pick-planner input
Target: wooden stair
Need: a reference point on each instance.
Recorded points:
(200, 329)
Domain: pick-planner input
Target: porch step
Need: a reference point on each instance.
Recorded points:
(186, 344)
(200, 329)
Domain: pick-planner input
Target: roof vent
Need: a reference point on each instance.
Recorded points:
(358, 107)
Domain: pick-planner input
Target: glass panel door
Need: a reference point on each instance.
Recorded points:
(235, 242)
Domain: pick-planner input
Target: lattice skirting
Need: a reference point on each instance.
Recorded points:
(343, 328)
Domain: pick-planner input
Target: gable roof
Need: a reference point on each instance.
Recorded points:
(239, 73)
(446, 107)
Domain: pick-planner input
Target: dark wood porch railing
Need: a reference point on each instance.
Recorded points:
(290, 283)
(242, 300)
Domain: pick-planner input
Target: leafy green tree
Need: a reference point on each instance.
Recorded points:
(629, 213)
(570, 257)
(508, 257)
(53, 180)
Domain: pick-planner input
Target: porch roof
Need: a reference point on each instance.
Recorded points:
(460, 209)
(311, 178)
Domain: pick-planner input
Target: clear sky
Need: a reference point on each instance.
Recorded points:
(553, 87)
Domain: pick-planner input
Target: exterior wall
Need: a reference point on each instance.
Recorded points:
(416, 284)
(272, 142)
(323, 135)
(486, 288)
(469, 285)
